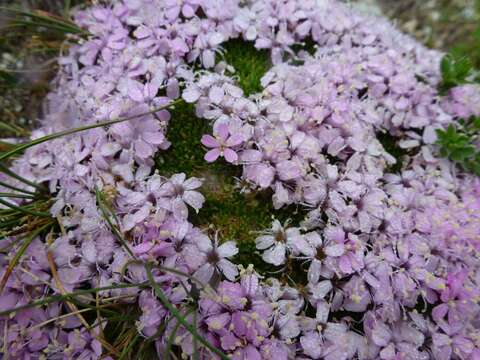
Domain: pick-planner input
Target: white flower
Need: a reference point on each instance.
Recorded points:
(276, 242)
(181, 192)
(208, 256)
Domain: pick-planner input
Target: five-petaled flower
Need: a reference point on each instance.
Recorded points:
(222, 145)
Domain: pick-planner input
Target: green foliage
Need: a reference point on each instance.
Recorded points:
(390, 145)
(40, 22)
(470, 47)
(458, 144)
(250, 64)
(235, 215)
(455, 71)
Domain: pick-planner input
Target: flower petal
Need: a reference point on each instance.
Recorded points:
(223, 131)
(264, 242)
(210, 141)
(194, 199)
(227, 249)
(179, 209)
(228, 269)
(234, 140)
(275, 255)
(212, 155)
(191, 94)
(230, 155)
(204, 273)
(335, 250)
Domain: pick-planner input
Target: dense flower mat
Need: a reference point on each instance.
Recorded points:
(385, 261)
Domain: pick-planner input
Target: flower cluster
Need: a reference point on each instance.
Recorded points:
(385, 264)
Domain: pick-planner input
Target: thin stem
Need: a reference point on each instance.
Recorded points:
(43, 139)
(10, 173)
(173, 310)
(196, 355)
(70, 296)
(71, 305)
(46, 322)
(46, 20)
(129, 347)
(24, 210)
(171, 338)
(11, 187)
(106, 212)
(19, 254)
(180, 273)
(20, 196)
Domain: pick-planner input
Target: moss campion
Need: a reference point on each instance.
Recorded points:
(384, 265)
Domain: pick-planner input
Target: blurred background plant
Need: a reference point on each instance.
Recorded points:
(32, 33)
(450, 25)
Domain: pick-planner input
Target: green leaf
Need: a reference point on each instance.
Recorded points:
(476, 169)
(458, 144)
(10, 79)
(476, 123)
(455, 70)
(446, 66)
(462, 154)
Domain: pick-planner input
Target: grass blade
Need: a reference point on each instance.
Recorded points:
(71, 296)
(107, 212)
(22, 147)
(24, 210)
(19, 196)
(129, 347)
(171, 338)
(12, 128)
(44, 19)
(10, 173)
(11, 187)
(173, 310)
(19, 254)
(196, 354)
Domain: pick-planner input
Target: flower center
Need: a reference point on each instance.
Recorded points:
(280, 236)
(212, 257)
(179, 190)
(320, 255)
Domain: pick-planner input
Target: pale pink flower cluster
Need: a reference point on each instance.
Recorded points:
(389, 260)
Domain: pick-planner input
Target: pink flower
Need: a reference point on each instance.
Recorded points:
(276, 242)
(181, 191)
(209, 257)
(222, 145)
